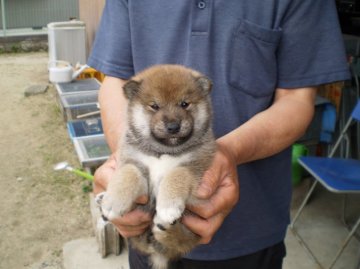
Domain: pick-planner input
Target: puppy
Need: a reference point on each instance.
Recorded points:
(167, 146)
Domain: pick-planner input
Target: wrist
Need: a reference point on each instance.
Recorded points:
(228, 149)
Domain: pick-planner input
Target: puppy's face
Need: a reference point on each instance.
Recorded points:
(168, 104)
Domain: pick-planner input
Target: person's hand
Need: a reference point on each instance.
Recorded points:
(220, 188)
(133, 223)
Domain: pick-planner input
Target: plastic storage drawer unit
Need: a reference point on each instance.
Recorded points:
(78, 86)
(92, 151)
(74, 106)
(86, 127)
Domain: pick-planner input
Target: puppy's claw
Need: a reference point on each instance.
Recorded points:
(161, 227)
(99, 197)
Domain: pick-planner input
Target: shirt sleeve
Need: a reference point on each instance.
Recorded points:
(111, 52)
(311, 50)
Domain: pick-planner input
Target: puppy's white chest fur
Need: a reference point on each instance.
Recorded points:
(160, 167)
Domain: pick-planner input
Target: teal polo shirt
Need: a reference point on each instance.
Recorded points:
(248, 48)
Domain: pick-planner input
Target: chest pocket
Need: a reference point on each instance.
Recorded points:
(252, 62)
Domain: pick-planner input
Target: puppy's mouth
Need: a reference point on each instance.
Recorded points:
(172, 141)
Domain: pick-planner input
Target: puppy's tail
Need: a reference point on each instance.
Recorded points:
(159, 261)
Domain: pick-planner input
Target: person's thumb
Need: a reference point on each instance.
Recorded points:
(209, 183)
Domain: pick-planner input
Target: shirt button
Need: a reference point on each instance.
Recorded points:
(201, 4)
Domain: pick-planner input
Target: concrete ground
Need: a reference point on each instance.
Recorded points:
(320, 225)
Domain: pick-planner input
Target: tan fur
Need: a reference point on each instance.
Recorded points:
(167, 147)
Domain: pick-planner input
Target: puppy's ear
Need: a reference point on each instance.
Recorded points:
(204, 84)
(131, 88)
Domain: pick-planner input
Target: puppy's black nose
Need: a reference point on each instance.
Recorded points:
(173, 127)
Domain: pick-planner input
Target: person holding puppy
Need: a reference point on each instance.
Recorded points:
(265, 60)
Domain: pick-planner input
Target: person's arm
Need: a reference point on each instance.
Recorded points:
(266, 134)
(113, 106)
(274, 129)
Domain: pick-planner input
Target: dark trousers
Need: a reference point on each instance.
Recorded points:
(269, 258)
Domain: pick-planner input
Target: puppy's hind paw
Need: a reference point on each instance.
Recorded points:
(113, 207)
(166, 217)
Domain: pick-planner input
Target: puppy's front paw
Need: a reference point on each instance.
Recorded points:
(168, 215)
(114, 206)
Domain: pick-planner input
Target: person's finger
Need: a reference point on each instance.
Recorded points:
(132, 228)
(224, 199)
(142, 200)
(130, 231)
(103, 174)
(205, 228)
(209, 182)
(133, 223)
(100, 182)
(128, 234)
(133, 218)
(220, 168)
(215, 204)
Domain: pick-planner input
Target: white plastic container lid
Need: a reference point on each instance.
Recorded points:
(69, 25)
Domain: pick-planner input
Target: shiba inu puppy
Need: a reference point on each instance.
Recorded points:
(165, 150)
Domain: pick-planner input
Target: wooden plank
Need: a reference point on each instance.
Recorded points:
(90, 13)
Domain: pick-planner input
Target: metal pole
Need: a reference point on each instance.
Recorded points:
(3, 17)
(344, 244)
(303, 204)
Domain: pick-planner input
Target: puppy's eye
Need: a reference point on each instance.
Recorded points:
(154, 107)
(184, 104)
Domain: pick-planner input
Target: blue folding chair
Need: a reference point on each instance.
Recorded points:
(337, 175)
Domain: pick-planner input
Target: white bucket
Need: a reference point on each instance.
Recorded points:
(60, 71)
